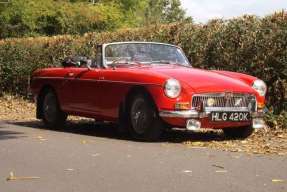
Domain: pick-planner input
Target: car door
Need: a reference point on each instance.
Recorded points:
(86, 91)
(67, 95)
(113, 89)
(78, 91)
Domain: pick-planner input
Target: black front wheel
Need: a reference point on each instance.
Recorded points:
(53, 117)
(238, 132)
(144, 122)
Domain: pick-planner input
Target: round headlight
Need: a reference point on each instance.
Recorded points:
(260, 87)
(172, 88)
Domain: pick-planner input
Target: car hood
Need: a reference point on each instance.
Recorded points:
(203, 80)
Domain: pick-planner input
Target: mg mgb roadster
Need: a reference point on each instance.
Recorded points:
(146, 88)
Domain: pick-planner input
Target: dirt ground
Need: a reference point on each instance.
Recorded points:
(264, 141)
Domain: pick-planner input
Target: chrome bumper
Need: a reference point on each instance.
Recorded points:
(192, 114)
(180, 114)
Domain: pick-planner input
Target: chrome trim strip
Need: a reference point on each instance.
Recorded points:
(179, 114)
(226, 109)
(194, 114)
(220, 94)
(100, 80)
(138, 42)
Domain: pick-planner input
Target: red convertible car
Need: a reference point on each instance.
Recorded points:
(146, 88)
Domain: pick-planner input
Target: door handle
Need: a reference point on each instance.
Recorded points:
(71, 74)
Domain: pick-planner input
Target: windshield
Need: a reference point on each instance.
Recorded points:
(144, 53)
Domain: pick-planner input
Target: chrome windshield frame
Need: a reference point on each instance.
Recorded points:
(140, 42)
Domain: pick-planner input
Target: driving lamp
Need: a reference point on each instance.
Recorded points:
(210, 102)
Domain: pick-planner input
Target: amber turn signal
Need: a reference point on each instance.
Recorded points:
(182, 106)
(260, 105)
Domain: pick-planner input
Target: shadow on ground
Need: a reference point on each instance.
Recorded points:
(90, 128)
(6, 134)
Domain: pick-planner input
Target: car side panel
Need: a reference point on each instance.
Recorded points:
(53, 78)
(103, 94)
(115, 85)
(60, 81)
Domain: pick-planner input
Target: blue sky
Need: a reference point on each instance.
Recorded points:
(203, 10)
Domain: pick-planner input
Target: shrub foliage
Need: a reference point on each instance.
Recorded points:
(26, 18)
(247, 44)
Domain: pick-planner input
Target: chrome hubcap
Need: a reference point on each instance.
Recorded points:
(49, 107)
(139, 117)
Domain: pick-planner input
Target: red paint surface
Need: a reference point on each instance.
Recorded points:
(98, 93)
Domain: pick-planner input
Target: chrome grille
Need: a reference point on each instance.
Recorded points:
(233, 100)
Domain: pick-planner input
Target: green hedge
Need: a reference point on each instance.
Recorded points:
(247, 44)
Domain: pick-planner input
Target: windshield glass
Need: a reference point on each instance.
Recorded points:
(144, 53)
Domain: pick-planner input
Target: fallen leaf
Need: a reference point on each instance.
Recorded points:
(218, 166)
(244, 142)
(277, 180)
(83, 142)
(197, 147)
(41, 138)
(221, 171)
(69, 169)
(198, 144)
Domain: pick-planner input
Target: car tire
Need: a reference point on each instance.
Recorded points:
(238, 132)
(144, 122)
(53, 116)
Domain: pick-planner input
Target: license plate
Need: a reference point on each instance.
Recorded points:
(230, 116)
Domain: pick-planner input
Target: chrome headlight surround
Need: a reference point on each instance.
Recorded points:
(260, 87)
(172, 88)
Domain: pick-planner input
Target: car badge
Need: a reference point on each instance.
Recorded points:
(228, 95)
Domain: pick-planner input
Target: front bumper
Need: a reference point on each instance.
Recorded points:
(195, 114)
(182, 118)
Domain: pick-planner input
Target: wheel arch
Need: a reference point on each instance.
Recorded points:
(125, 104)
(39, 104)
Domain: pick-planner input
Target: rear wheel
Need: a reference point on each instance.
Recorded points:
(144, 122)
(239, 132)
(53, 116)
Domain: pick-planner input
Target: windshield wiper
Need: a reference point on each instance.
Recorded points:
(162, 62)
(117, 61)
(123, 61)
(170, 63)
